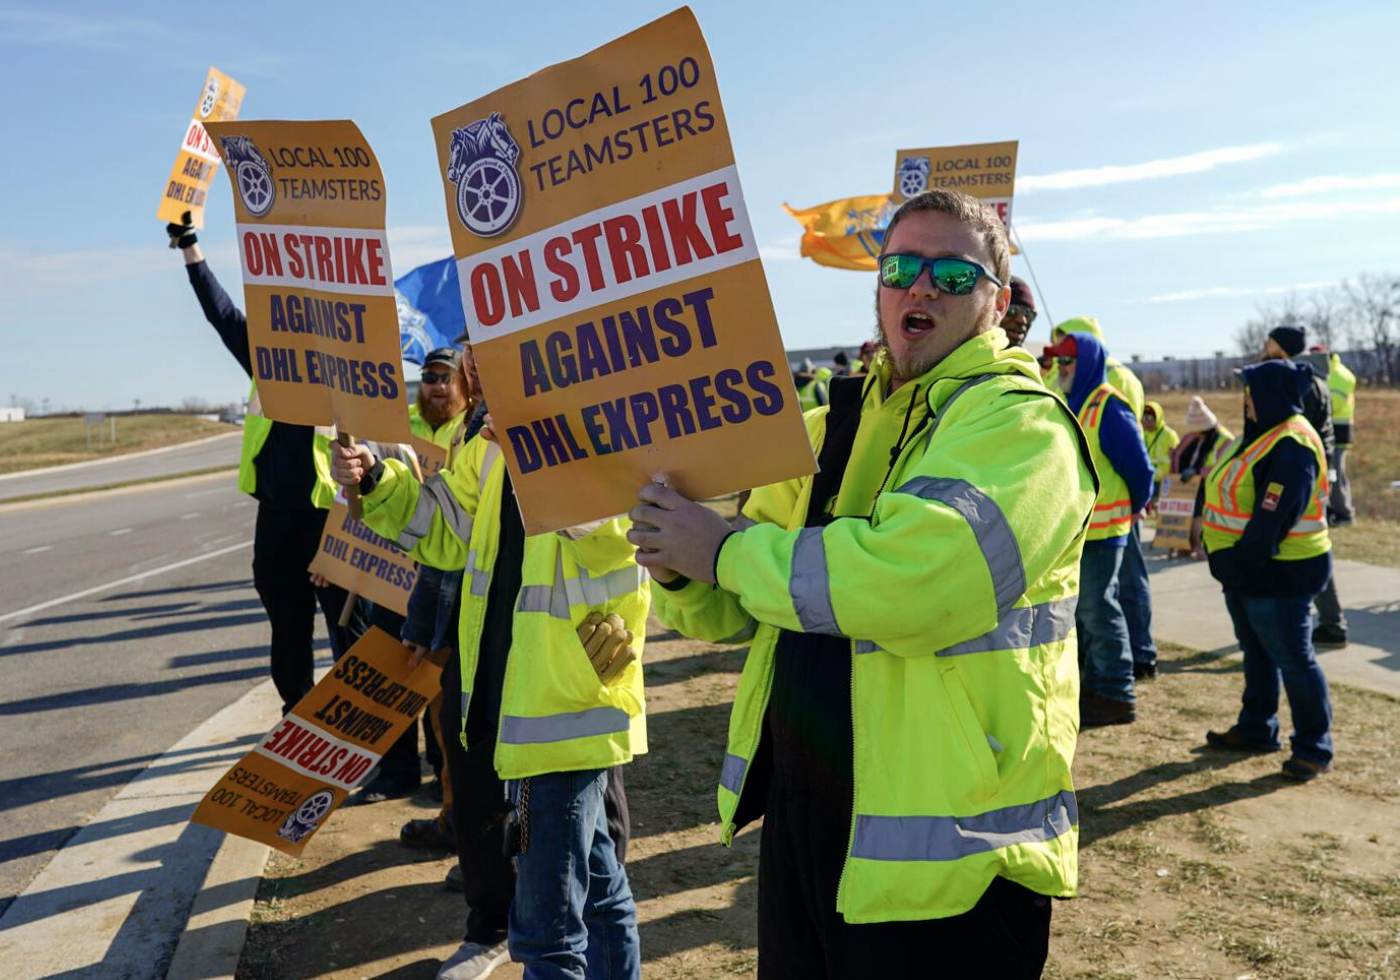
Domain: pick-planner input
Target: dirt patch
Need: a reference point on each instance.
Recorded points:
(1193, 863)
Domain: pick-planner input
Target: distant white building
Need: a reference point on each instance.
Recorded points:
(11, 414)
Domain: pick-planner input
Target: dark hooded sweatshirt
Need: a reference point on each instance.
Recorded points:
(1120, 435)
(1250, 568)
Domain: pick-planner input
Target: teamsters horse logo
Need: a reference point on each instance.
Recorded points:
(211, 96)
(481, 162)
(252, 173)
(913, 176)
(307, 817)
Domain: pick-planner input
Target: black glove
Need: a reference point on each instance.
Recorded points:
(182, 235)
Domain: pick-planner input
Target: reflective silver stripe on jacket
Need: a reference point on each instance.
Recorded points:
(589, 591)
(520, 730)
(731, 774)
(744, 635)
(950, 838)
(989, 525)
(433, 497)
(742, 523)
(809, 584)
(585, 590)
(1022, 628)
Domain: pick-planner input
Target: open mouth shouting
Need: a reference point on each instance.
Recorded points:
(916, 324)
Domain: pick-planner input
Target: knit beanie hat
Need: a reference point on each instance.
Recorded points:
(1199, 418)
(1291, 339)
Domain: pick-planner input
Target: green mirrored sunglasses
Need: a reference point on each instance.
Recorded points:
(957, 277)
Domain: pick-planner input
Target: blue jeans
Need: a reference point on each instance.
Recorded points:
(1103, 632)
(1135, 595)
(1276, 637)
(573, 917)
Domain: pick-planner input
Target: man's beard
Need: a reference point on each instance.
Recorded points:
(435, 416)
(915, 366)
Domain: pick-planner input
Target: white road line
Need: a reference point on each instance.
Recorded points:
(120, 531)
(18, 613)
(189, 517)
(38, 550)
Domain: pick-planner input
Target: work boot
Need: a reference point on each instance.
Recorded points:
(1095, 711)
(1329, 637)
(1233, 741)
(429, 834)
(382, 788)
(1144, 671)
(472, 961)
(1304, 770)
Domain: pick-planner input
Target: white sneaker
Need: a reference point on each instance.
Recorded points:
(473, 961)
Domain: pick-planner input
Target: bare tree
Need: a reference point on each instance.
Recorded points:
(1250, 336)
(1324, 314)
(194, 405)
(1373, 308)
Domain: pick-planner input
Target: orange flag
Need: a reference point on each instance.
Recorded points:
(845, 234)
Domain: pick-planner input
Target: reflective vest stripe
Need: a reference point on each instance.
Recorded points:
(434, 497)
(582, 591)
(588, 591)
(745, 634)
(731, 774)
(920, 838)
(809, 585)
(1022, 628)
(989, 526)
(520, 730)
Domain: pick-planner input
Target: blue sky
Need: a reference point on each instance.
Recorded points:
(1178, 163)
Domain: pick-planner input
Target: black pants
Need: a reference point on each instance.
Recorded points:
(801, 936)
(478, 818)
(284, 542)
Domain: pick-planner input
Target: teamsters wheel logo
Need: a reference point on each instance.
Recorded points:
(913, 176)
(481, 162)
(211, 95)
(307, 817)
(252, 173)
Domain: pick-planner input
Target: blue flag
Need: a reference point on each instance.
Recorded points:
(430, 309)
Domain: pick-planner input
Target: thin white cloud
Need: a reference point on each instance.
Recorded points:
(1217, 291)
(41, 29)
(1188, 223)
(1193, 163)
(1330, 184)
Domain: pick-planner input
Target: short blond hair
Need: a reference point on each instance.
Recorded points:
(970, 211)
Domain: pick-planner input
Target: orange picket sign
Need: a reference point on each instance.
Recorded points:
(284, 790)
(617, 307)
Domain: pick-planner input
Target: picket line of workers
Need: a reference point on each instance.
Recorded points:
(909, 706)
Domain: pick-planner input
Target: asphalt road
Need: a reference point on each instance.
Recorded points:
(93, 688)
(189, 458)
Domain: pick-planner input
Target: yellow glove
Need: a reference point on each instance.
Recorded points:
(608, 644)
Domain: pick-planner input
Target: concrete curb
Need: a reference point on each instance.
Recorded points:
(212, 943)
(142, 486)
(46, 470)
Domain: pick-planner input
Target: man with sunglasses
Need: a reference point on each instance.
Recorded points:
(906, 719)
(441, 404)
(1020, 314)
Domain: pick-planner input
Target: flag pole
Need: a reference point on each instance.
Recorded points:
(1021, 247)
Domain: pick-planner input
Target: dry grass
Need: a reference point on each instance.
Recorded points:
(37, 443)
